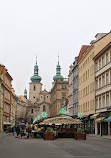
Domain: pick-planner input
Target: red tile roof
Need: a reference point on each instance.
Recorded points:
(83, 50)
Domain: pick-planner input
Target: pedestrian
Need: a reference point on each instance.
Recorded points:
(13, 130)
(29, 130)
(18, 130)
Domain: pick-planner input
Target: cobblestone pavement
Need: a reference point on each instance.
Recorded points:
(93, 147)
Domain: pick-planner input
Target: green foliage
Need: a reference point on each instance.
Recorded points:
(79, 130)
(49, 131)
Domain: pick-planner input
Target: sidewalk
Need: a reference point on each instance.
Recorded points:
(98, 136)
(4, 134)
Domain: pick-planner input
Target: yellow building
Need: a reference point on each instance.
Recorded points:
(59, 94)
(1, 102)
(87, 80)
(13, 107)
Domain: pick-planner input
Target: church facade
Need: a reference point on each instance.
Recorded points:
(39, 101)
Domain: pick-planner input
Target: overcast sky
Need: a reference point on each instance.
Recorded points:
(46, 27)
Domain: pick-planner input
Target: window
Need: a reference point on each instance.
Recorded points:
(96, 66)
(107, 78)
(86, 106)
(34, 88)
(96, 84)
(47, 96)
(33, 97)
(100, 102)
(103, 101)
(86, 90)
(63, 86)
(99, 82)
(63, 95)
(32, 111)
(103, 61)
(107, 58)
(103, 80)
(100, 64)
(107, 100)
(88, 73)
(44, 108)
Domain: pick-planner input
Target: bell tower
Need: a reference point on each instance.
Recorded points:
(35, 87)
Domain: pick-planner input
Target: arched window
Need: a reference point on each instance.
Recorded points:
(34, 88)
(44, 108)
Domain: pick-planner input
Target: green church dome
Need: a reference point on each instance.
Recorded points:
(58, 72)
(36, 78)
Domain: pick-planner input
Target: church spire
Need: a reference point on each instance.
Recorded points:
(36, 77)
(58, 58)
(58, 71)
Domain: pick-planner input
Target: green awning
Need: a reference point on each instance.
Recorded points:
(108, 119)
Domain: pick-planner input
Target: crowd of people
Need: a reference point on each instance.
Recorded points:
(22, 131)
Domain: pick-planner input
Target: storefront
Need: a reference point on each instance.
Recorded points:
(102, 124)
(88, 124)
(6, 123)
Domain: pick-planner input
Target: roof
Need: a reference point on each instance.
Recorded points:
(22, 98)
(7, 73)
(83, 50)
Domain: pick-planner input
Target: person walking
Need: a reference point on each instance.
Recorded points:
(29, 130)
(13, 130)
(18, 130)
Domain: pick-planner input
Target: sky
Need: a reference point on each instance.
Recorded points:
(46, 28)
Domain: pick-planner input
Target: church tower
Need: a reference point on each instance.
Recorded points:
(58, 72)
(35, 87)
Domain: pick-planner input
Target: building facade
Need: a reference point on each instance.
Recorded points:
(7, 79)
(42, 105)
(70, 95)
(13, 107)
(59, 95)
(1, 101)
(75, 87)
(21, 105)
(87, 79)
(39, 101)
(59, 92)
(103, 90)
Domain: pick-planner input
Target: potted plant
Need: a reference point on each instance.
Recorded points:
(79, 134)
(49, 134)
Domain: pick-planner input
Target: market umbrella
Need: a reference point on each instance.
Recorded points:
(108, 119)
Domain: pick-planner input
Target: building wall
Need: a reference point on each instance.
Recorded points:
(103, 81)
(86, 83)
(70, 95)
(13, 108)
(75, 87)
(58, 93)
(1, 102)
(20, 111)
(36, 109)
(7, 95)
(34, 92)
(86, 76)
